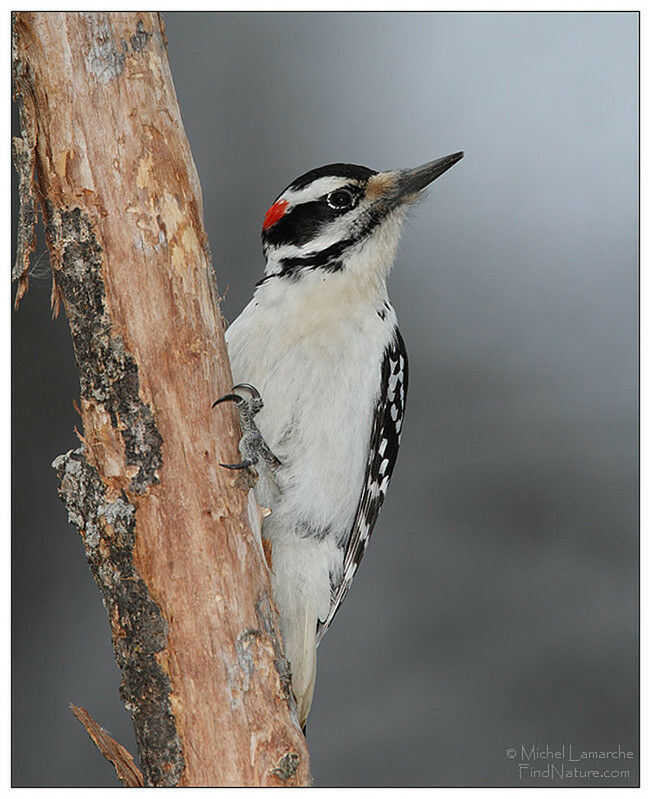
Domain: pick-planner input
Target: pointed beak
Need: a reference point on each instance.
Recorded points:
(411, 181)
(403, 185)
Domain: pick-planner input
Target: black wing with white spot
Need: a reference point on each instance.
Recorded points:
(383, 451)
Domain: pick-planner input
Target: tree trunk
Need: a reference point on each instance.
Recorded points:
(173, 540)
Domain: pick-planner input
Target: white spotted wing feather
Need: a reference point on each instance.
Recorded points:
(382, 455)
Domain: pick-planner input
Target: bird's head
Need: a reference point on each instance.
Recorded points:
(343, 219)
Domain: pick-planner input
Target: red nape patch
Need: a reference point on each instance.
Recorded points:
(276, 212)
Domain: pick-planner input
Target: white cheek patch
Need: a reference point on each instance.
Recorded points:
(334, 232)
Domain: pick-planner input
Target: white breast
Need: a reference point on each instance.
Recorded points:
(314, 352)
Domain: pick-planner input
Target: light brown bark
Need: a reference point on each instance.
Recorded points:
(168, 533)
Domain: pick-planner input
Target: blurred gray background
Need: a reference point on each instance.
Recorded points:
(497, 604)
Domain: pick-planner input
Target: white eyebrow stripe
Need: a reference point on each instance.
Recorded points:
(315, 190)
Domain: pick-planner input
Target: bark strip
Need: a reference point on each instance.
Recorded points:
(128, 773)
(23, 150)
(172, 540)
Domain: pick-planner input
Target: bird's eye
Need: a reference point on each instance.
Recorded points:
(341, 199)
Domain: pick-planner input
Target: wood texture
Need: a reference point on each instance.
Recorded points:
(172, 539)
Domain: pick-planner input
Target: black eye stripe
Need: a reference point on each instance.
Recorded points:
(300, 224)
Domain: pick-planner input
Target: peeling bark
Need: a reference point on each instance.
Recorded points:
(173, 541)
(128, 773)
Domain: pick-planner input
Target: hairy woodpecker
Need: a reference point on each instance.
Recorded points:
(319, 343)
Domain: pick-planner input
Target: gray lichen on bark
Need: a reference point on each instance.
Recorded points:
(108, 374)
(140, 38)
(286, 766)
(138, 627)
(105, 59)
(24, 157)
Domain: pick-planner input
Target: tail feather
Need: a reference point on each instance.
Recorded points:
(301, 588)
(300, 649)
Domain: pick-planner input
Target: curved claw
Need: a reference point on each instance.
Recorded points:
(228, 398)
(243, 465)
(248, 387)
(236, 398)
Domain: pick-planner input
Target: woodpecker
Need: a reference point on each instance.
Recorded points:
(322, 377)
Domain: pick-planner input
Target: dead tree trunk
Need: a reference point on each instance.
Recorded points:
(172, 539)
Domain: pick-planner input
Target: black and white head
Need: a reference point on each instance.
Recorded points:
(344, 220)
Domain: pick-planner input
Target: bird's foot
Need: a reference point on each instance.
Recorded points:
(252, 445)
